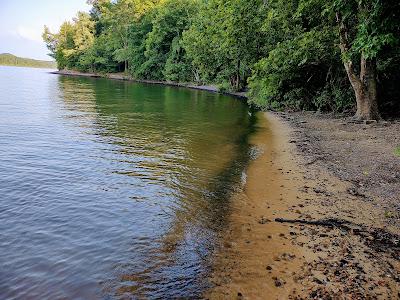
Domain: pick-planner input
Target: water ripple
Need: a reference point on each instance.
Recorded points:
(111, 189)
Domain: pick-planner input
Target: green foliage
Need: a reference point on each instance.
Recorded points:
(372, 24)
(224, 87)
(177, 67)
(165, 56)
(225, 40)
(303, 68)
(298, 72)
(71, 42)
(397, 151)
(100, 57)
(137, 45)
(284, 52)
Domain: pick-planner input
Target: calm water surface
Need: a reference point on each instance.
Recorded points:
(111, 189)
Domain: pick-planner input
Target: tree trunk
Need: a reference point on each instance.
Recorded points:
(365, 89)
(196, 75)
(364, 84)
(238, 75)
(366, 95)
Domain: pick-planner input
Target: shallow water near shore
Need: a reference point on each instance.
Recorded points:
(112, 189)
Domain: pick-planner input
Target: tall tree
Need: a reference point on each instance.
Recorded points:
(225, 40)
(299, 68)
(170, 19)
(365, 28)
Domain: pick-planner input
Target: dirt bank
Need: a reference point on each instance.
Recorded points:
(336, 238)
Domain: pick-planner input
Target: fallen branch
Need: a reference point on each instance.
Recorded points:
(324, 222)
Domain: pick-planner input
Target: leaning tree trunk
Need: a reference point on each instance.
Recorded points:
(364, 84)
(365, 89)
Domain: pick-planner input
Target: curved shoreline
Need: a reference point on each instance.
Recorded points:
(262, 259)
(124, 77)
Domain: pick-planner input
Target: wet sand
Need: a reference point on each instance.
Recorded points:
(263, 259)
(257, 259)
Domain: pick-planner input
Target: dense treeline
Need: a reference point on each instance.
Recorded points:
(298, 54)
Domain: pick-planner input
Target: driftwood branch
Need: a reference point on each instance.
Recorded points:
(323, 222)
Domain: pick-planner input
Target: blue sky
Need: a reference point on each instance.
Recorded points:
(22, 21)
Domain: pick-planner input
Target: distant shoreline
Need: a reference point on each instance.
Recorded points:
(10, 60)
(121, 76)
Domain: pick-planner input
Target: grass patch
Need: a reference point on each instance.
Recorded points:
(397, 151)
(389, 214)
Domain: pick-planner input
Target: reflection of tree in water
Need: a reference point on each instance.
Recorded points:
(191, 143)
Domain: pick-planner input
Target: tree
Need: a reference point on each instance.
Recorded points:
(365, 29)
(300, 68)
(225, 40)
(170, 19)
(138, 32)
(60, 44)
(71, 42)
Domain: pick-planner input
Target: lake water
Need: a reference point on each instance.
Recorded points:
(110, 189)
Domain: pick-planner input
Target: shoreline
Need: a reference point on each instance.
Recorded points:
(261, 258)
(255, 260)
(124, 77)
(293, 179)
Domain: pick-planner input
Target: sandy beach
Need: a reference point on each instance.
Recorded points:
(299, 231)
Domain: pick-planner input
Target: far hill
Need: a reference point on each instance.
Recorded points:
(7, 59)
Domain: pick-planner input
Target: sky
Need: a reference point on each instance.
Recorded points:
(22, 22)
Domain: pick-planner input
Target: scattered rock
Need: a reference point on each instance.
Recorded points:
(264, 220)
(320, 190)
(278, 282)
(355, 192)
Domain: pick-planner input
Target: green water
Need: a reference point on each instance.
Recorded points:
(112, 189)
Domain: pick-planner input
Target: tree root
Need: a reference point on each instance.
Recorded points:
(377, 238)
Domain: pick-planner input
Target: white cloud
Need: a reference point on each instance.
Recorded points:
(31, 34)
